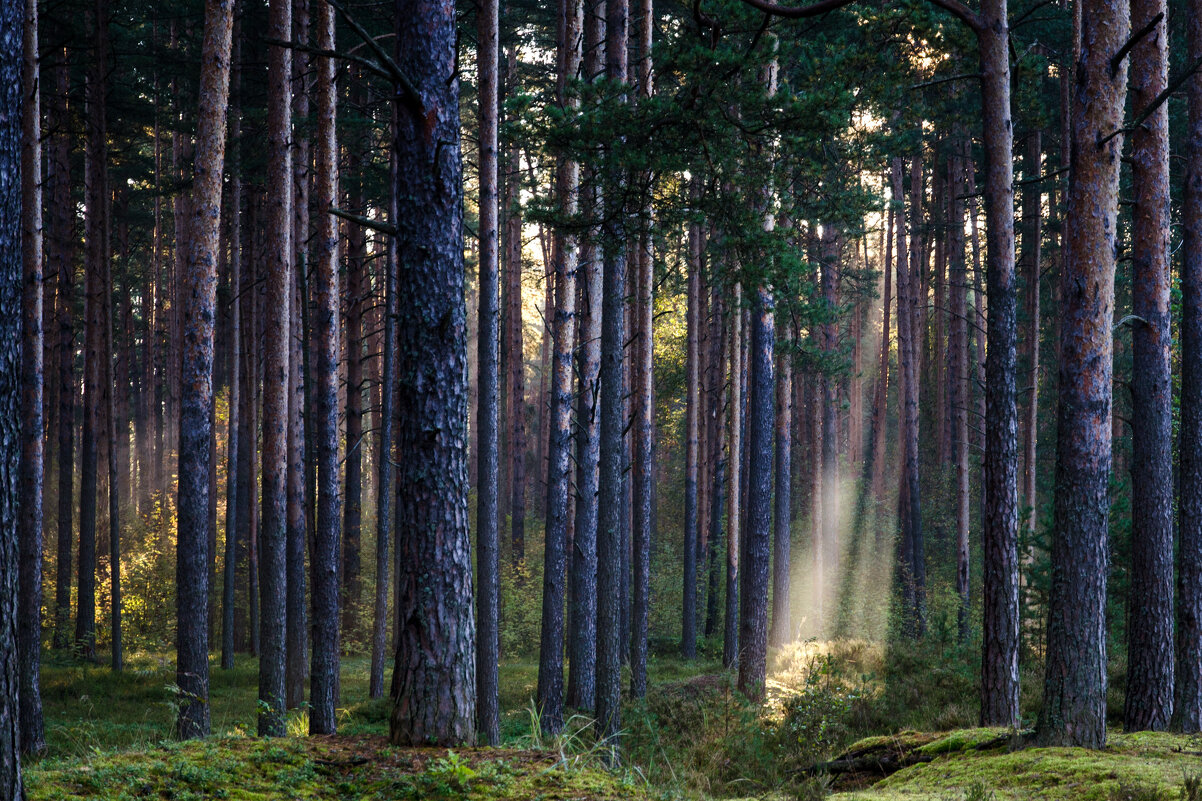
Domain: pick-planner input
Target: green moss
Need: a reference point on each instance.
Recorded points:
(248, 769)
(963, 740)
(1155, 761)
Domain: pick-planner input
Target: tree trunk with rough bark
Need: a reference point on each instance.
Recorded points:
(488, 345)
(277, 327)
(1074, 707)
(323, 673)
(1149, 699)
(198, 296)
(29, 607)
(730, 632)
(559, 462)
(688, 635)
(1187, 711)
(11, 100)
(434, 681)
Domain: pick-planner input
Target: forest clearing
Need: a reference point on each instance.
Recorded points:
(601, 399)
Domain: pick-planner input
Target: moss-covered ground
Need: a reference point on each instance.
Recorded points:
(694, 737)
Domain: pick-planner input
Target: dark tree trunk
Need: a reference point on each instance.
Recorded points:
(234, 444)
(1187, 712)
(488, 346)
(384, 485)
(352, 498)
(62, 263)
(559, 461)
(31, 471)
(116, 649)
(688, 636)
(730, 631)
(11, 103)
(1074, 706)
(277, 327)
(582, 618)
(198, 296)
(613, 337)
(323, 676)
(753, 611)
(880, 400)
(96, 181)
(957, 363)
(1032, 220)
(782, 630)
(515, 360)
(296, 635)
(999, 660)
(434, 681)
(717, 459)
(1149, 701)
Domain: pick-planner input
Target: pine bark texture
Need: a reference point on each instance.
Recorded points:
(782, 630)
(1187, 712)
(32, 465)
(198, 298)
(730, 630)
(488, 343)
(1149, 699)
(11, 22)
(688, 635)
(1074, 707)
(999, 660)
(323, 674)
(276, 346)
(559, 456)
(434, 683)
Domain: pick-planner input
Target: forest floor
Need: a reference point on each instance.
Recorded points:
(693, 737)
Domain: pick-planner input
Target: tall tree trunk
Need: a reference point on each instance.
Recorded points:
(515, 360)
(112, 387)
(234, 445)
(434, 682)
(488, 346)
(31, 470)
(828, 545)
(730, 632)
(11, 103)
(559, 462)
(57, 190)
(613, 337)
(782, 629)
(999, 659)
(352, 498)
(296, 635)
(273, 536)
(881, 393)
(96, 181)
(1149, 701)
(323, 675)
(198, 284)
(716, 475)
(1074, 707)
(957, 373)
(1032, 219)
(384, 486)
(643, 427)
(688, 636)
(1187, 711)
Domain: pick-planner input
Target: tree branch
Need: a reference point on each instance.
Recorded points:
(1117, 59)
(797, 12)
(408, 91)
(367, 64)
(366, 222)
(1173, 86)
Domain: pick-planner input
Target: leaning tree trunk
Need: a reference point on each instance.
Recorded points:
(1187, 711)
(559, 460)
(323, 674)
(1074, 706)
(434, 681)
(198, 296)
(1149, 700)
(11, 100)
(29, 609)
(277, 334)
